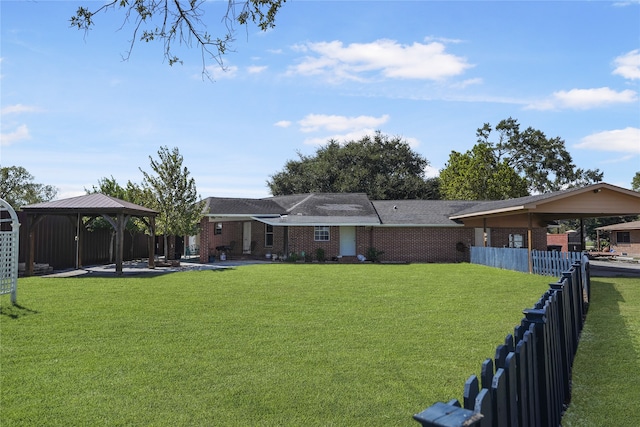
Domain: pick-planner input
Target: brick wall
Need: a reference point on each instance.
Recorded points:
(408, 244)
(417, 244)
(561, 240)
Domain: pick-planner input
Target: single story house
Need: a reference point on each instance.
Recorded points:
(624, 238)
(345, 225)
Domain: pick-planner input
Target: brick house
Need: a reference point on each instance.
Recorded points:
(623, 237)
(345, 225)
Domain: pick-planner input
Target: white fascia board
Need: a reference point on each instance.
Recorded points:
(493, 212)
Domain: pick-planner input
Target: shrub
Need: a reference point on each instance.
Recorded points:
(320, 255)
(373, 255)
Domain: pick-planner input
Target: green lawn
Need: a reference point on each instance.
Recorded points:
(606, 372)
(258, 345)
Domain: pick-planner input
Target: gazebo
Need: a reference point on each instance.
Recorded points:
(115, 211)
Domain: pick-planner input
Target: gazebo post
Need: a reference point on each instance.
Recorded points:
(119, 242)
(152, 242)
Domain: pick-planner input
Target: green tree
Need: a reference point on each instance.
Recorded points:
(18, 189)
(479, 174)
(131, 193)
(543, 162)
(174, 195)
(635, 183)
(382, 167)
(181, 22)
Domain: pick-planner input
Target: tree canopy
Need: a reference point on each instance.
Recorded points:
(479, 174)
(519, 163)
(182, 22)
(18, 188)
(544, 162)
(132, 192)
(382, 167)
(635, 183)
(174, 194)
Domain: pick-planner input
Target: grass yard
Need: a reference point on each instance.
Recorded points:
(261, 345)
(606, 372)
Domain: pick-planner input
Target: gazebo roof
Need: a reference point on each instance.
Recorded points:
(90, 204)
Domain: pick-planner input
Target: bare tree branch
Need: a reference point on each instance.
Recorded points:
(182, 21)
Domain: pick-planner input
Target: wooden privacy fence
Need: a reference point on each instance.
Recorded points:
(528, 383)
(545, 263)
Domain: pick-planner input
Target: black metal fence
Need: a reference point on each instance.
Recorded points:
(528, 382)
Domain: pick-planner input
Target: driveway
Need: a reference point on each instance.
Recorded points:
(614, 269)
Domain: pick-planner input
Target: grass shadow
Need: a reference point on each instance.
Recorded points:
(16, 311)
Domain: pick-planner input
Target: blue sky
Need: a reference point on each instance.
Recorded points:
(432, 72)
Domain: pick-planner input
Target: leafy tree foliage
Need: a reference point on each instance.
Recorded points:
(181, 22)
(479, 174)
(635, 183)
(382, 167)
(544, 162)
(132, 192)
(18, 189)
(174, 195)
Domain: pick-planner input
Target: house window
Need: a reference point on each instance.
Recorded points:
(218, 228)
(321, 233)
(516, 240)
(268, 235)
(623, 237)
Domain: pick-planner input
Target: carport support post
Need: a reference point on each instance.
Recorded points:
(530, 244)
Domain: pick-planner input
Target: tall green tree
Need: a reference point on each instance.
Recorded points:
(479, 174)
(382, 167)
(18, 188)
(131, 193)
(180, 22)
(544, 162)
(635, 183)
(174, 195)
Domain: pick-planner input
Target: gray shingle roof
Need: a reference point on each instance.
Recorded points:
(250, 207)
(420, 212)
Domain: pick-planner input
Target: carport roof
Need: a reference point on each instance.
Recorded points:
(89, 204)
(586, 204)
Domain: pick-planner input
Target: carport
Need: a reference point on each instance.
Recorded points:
(592, 201)
(115, 211)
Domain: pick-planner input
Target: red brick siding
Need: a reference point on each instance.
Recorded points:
(632, 248)
(302, 239)
(559, 240)
(422, 244)
(408, 244)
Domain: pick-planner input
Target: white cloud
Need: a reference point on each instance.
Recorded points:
(355, 135)
(621, 140)
(386, 58)
(628, 65)
(217, 73)
(583, 99)
(256, 69)
(21, 133)
(431, 172)
(283, 124)
(19, 108)
(333, 123)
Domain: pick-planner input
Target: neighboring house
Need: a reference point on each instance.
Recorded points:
(624, 238)
(345, 225)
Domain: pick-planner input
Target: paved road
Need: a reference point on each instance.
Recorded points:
(614, 268)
